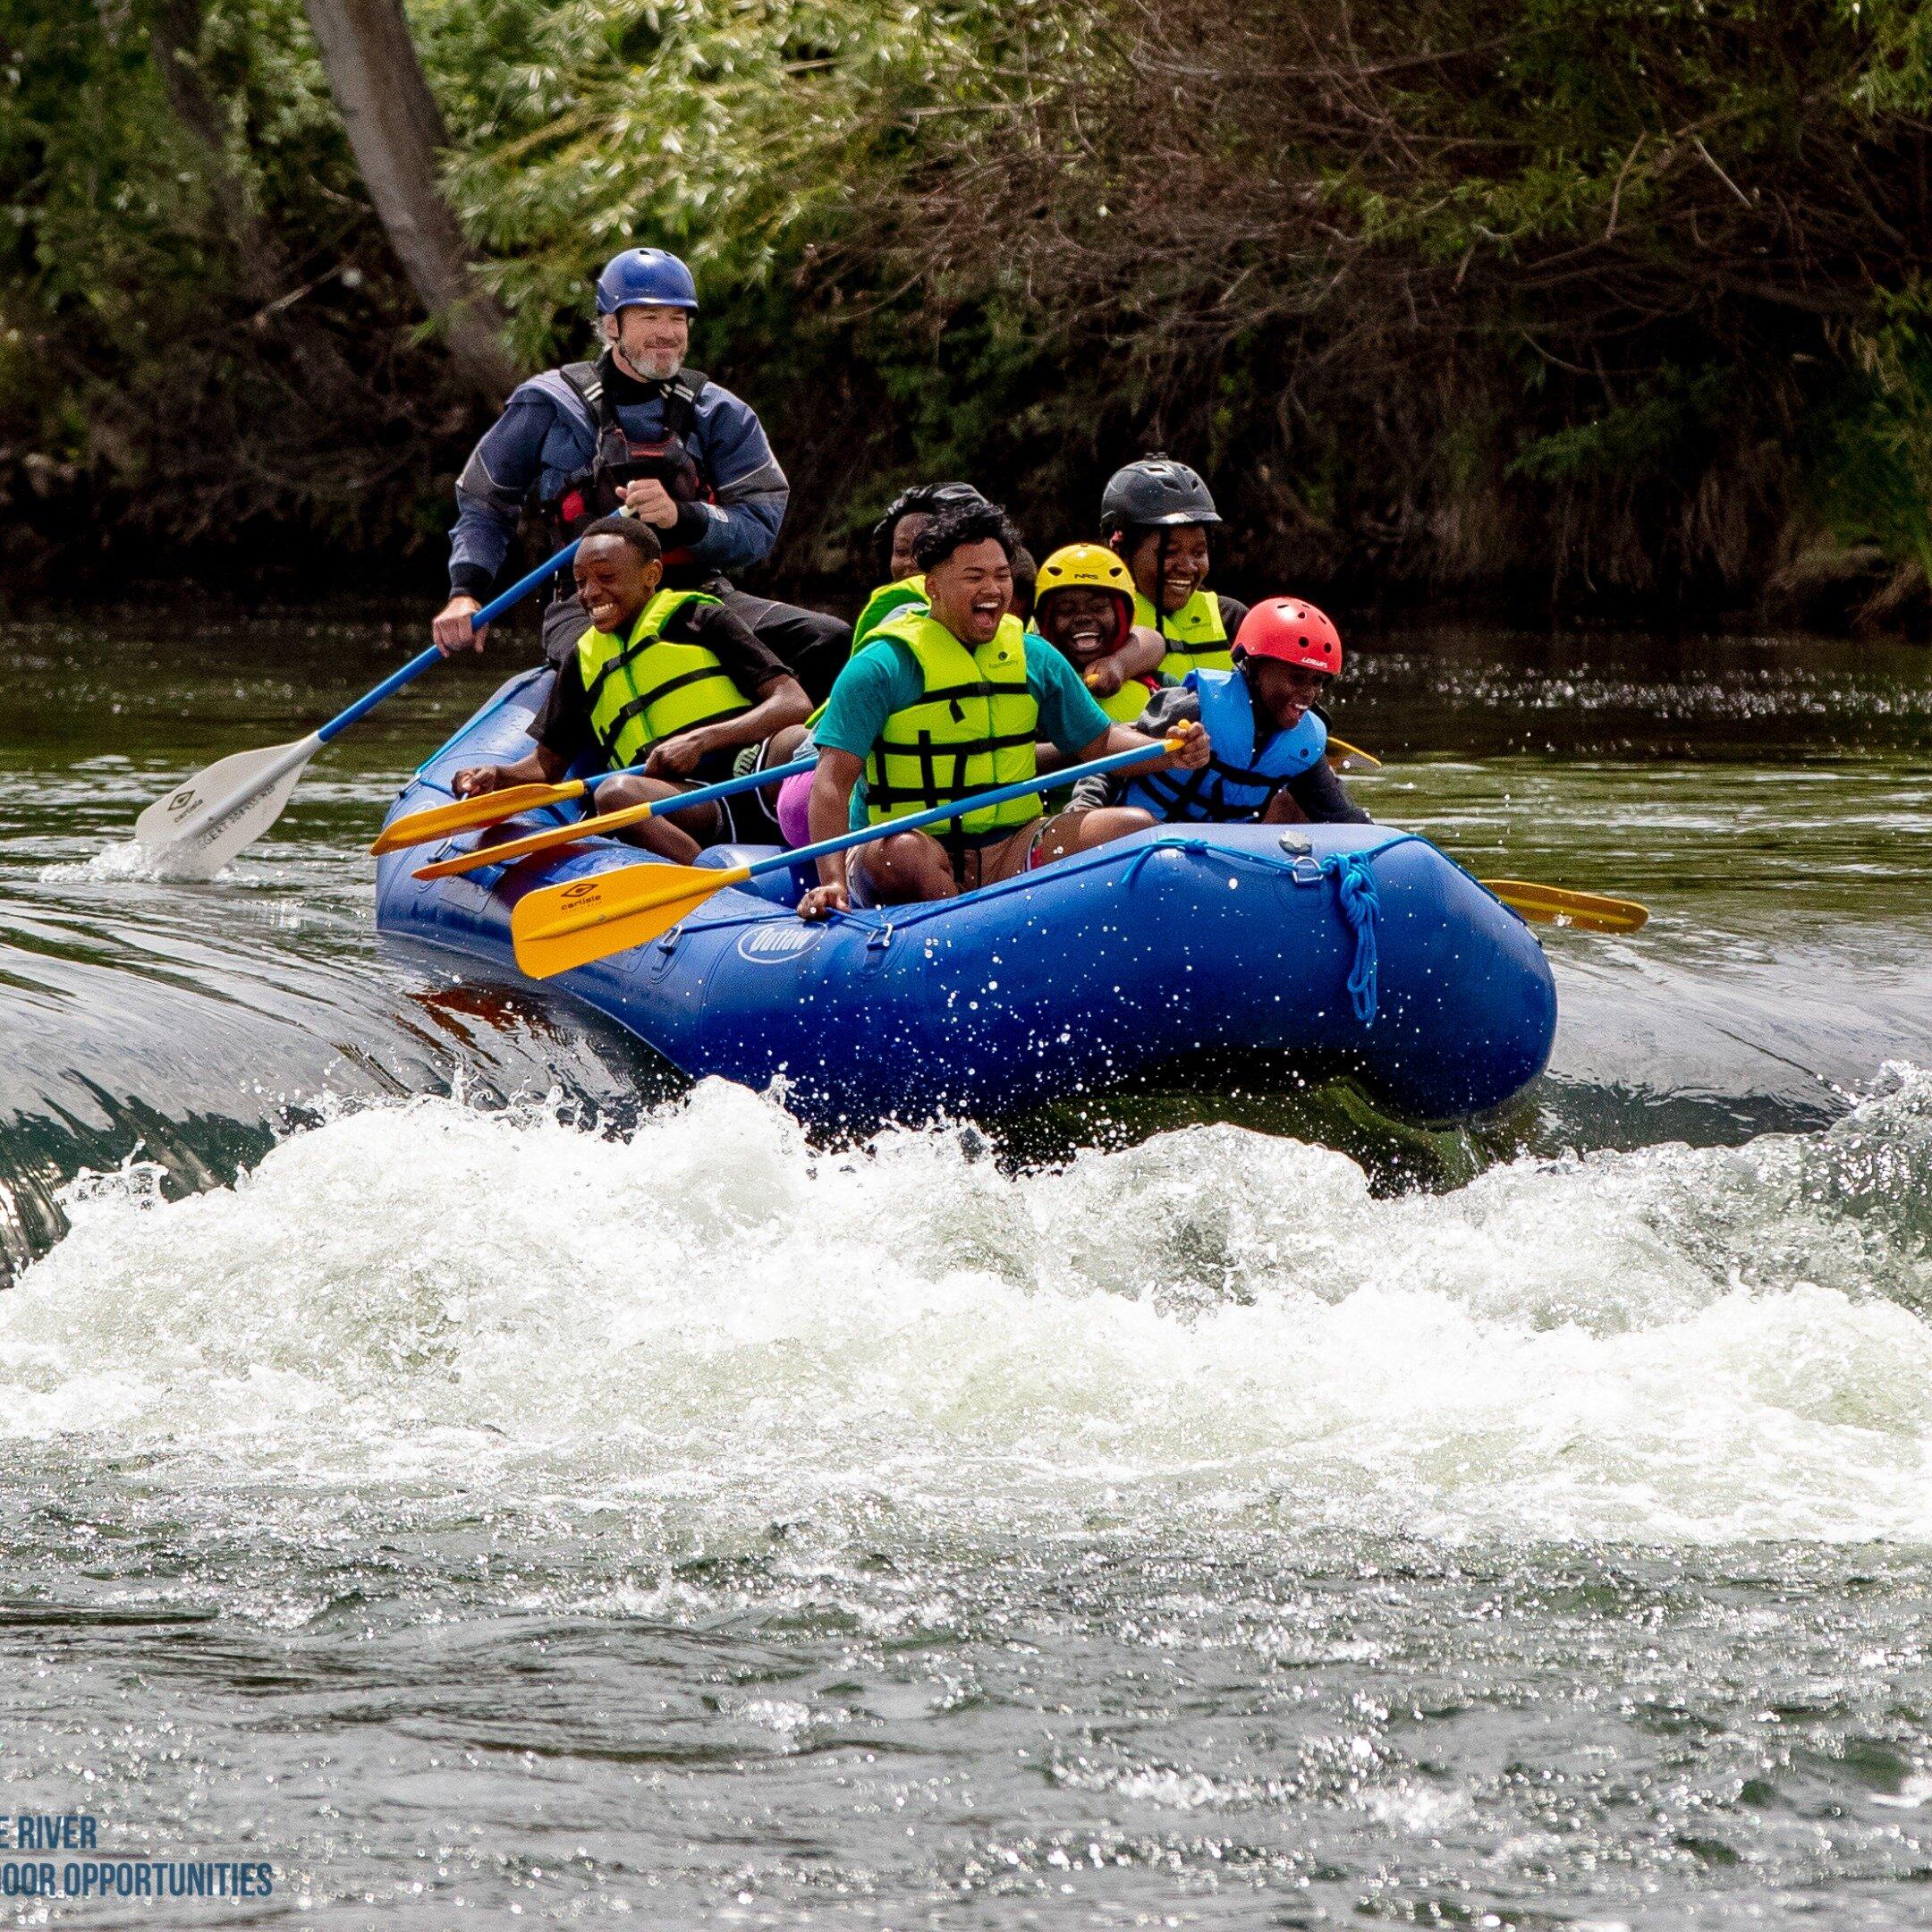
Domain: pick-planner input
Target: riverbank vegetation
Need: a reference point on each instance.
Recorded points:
(1590, 303)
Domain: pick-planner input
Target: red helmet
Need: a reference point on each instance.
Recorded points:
(1284, 627)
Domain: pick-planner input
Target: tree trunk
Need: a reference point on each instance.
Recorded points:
(396, 131)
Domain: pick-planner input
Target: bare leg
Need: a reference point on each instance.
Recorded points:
(906, 867)
(781, 747)
(660, 834)
(1070, 832)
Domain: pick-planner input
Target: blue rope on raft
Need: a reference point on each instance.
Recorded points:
(1355, 893)
(1361, 907)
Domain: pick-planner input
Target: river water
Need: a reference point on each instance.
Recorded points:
(450, 1458)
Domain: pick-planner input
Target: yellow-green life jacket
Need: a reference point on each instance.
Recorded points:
(884, 602)
(1126, 705)
(642, 689)
(1195, 637)
(881, 605)
(973, 728)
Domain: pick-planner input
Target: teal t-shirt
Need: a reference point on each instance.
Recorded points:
(884, 677)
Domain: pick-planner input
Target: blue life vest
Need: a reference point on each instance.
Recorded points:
(1236, 782)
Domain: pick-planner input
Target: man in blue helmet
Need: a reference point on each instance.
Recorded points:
(637, 429)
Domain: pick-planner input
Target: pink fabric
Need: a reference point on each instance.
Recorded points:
(794, 794)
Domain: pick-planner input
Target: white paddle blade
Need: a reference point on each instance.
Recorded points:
(201, 825)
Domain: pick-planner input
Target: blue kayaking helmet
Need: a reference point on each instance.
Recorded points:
(647, 275)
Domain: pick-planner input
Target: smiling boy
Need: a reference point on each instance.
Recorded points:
(669, 680)
(1269, 762)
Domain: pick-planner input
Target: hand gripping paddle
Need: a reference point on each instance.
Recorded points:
(205, 821)
(553, 836)
(586, 919)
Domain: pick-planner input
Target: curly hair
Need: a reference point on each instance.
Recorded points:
(922, 499)
(958, 524)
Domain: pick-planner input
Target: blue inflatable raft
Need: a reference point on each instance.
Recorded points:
(1325, 950)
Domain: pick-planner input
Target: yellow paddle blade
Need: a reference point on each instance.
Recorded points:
(1346, 757)
(566, 925)
(465, 815)
(547, 840)
(1556, 905)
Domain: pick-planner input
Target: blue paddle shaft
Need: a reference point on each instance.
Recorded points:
(938, 814)
(724, 788)
(416, 665)
(388, 688)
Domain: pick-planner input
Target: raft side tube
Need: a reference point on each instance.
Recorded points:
(1175, 942)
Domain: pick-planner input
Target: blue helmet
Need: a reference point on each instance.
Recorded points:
(648, 275)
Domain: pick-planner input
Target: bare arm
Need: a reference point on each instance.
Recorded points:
(540, 767)
(784, 703)
(829, 814)
(1192, 755)
(1140, 655)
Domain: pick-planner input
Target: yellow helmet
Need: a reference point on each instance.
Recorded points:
(1087, 564)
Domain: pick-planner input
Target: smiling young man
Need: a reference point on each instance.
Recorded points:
(908, 515)
(1269, 763)
(947, 700)
(1156, 514)
(669, 679)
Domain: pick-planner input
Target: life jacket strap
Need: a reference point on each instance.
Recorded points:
(1176, 791)
(951, 693)
(616, 460)
(1240, 774)
(611, 667)
(655, 694)
(680, 392)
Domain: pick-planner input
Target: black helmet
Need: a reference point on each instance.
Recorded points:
(931, 497)
(1155, 492)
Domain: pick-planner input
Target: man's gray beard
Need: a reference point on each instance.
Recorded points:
(651, 367)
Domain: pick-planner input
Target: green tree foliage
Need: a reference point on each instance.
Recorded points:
(1527, 293)
(753, 139)
(1577, 296)
(207, 338)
